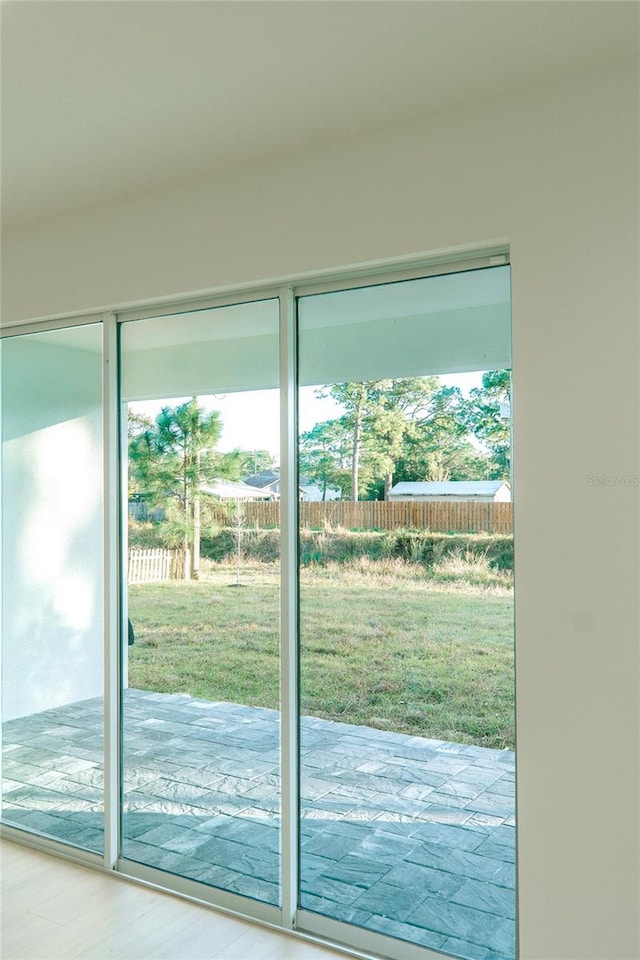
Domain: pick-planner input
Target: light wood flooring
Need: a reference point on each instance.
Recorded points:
(52, 909)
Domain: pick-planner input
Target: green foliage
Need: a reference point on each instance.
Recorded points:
(483, 417)
(411, 428)
(220, 546)
(327, 546)
(354, 398)
(399, 410)
(323, 547)
(249, 462)
(146, 536)
(263, 545)
(438, 447)
(380, 416)
(431, 549)
(324, 454)
(169, 460)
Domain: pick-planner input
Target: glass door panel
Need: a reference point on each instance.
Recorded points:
(406, 611)
(200, 698)
(52, 584)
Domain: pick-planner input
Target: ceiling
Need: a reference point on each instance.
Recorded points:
(102, 99)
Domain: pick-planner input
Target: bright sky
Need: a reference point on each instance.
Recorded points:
(251, 420)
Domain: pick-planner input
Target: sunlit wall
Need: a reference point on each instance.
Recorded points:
(52, 565)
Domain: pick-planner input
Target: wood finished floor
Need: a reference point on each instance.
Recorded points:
(55, 910)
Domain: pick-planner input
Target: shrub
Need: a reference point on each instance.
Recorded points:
(147, 536)
(261, 545)
(337, 545)
(430, 549)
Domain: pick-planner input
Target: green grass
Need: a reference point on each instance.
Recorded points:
(383, 643)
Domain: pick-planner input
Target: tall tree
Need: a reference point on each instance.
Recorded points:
(354, 398)
(381, 415)
(439, 447)
(399, 409)
(376, 416)
(253, 461)
(437, 454)
(487, 417)
(409, 428)
(324, 454)
(137, 424)
(170, 460)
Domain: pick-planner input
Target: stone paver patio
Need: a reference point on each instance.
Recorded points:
(407, 836)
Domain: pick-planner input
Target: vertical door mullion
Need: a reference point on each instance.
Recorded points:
(2, 646)
(112, 641)
(289, 607)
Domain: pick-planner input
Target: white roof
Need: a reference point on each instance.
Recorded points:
(448, 488)
(234, 490)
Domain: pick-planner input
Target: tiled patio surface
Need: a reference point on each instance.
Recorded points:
(406, 836)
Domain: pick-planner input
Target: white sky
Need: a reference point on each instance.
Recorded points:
(250, 420)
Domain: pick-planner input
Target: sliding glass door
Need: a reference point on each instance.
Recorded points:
(406, 612)
(200, 682)
(306, 589)
(52, 584)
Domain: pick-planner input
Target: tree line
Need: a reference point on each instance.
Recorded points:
(408, 429)
(390, 430)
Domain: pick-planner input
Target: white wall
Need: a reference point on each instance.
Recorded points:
(554, 172)
(52, 583)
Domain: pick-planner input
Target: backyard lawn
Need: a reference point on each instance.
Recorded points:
(384, 644)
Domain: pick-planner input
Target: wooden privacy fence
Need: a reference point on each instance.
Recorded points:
(458, 516)
(147, 566)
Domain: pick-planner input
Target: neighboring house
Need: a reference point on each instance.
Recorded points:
(270, 480)
(139, 509)
(478, 491)
(312, 492)
(236, 490)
